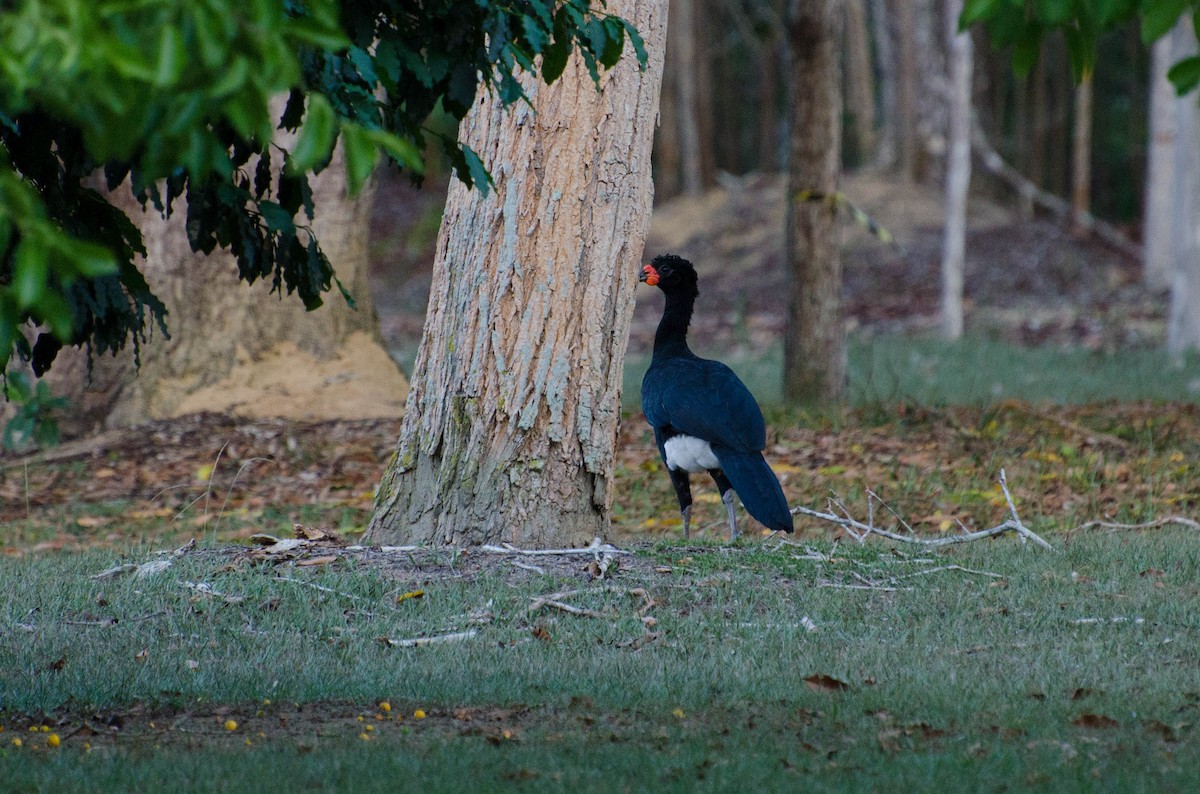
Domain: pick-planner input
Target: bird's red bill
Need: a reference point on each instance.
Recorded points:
(650, 275)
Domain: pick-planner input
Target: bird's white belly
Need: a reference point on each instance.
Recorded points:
(690, 454)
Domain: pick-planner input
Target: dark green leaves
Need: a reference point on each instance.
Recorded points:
(1185, 75)
(1023, 24)
(175, 99)
(1159, 16)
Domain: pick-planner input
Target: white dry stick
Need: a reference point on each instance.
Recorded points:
(527, 567)
(320, 587)
(596, 549)
(949, 568)
(1158, 522)
(417, 642)
(115, 571)
(590, 613)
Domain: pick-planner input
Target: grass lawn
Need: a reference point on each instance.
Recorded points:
(692, 667)
(759, 666)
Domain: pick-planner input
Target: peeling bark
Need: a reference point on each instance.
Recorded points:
(510, 427)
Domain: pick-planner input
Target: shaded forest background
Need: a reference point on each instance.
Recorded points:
(720, 151)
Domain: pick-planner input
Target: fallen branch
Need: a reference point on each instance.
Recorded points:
(590, 613)
(860, 531)
(596, 549)
(1158, 522)
(527, 567)
(320, 587)
(417, 642)
(1061, 209)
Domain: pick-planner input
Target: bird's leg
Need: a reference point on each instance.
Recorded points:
(683, 490)
(727, 498)
(726, 489)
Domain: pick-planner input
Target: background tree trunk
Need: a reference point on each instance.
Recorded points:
(681, 36)
(1081, 151)
(1183, 318)
(238, 348)
(904, 23)
(885, 153)
(860, 81)
(814, 363)
(510, 429)
(958, 173)
(1157, 208)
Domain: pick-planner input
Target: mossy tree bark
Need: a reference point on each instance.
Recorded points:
(510, 427)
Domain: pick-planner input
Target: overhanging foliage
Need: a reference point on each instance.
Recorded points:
(171, 100)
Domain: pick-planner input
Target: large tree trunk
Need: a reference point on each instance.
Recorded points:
(958, 173)
(1160, 168)
(237, 348)
(814, 367)
(510, 428)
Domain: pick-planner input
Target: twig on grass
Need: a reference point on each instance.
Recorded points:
(590, 613)
(860, 531)
(524, 566)
(596, 549)
(1158, 522)
(320, 587)
(417, 642)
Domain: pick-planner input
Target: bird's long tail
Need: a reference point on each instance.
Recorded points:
(757, 486)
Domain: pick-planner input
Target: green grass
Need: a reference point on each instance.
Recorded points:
(953, 679)
(973, 371)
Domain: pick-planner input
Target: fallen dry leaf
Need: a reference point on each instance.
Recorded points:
(314, 561)
(1088, 720)
(825, 683)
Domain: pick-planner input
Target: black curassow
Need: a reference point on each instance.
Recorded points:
(704, 417)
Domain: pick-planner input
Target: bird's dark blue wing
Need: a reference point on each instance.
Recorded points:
(704, 399)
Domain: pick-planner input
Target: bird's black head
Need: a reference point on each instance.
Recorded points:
(671, 274)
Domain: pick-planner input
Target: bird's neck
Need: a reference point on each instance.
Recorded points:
(671, 337)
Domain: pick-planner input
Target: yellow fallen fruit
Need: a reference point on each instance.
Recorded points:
(419, 714)
(230, 725)
(385, 706)
(53, 740)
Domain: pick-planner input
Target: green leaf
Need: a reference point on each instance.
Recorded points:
(361, 155)
(30, 270)
(1026, 50)
(172, 56)
(278, 219)
(56, 313)
(1185, 75)
(345, 293)
(977, 11)
(403, 151)
(1054, 12)
(1159, 16)
(91, 260)
(320, 35)
(1112, 12)
(479, 174)
(317, 136)
(1082, 51)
